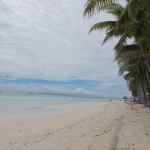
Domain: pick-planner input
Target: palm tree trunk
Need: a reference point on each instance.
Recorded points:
(148, 77)
(145, 59)
(147, 86)
(147, 64)
(141, 94)
(144, 93)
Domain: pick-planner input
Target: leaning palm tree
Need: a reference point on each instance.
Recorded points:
(133, 21)
(93, 7)
(134, 72)
(111, 26)
(137, 11)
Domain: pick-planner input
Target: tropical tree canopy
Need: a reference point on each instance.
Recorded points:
(132, 22)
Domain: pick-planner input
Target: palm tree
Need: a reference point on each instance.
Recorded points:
(132, 68)
(133, 21)
(111, 26)
(137, 11)
(92, 7)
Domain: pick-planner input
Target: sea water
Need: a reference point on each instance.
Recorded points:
(12, 103)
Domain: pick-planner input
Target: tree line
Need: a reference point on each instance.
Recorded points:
(132, 52)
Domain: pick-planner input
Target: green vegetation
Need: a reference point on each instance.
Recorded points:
(132, 25)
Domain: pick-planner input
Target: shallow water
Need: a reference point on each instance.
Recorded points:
(11, 104)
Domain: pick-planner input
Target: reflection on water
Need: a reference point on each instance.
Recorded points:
(15, 103)
(40, 108)
(28, 110)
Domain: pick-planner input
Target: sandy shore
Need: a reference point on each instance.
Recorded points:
(88, 126)
(135, 132)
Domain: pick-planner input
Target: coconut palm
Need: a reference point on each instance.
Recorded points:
(92, 7)
(132, 68)
(136, 75)
(137, 11)
(133, 21)
(111, 26)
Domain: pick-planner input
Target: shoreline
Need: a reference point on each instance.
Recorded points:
(88, 126)
(34, 110)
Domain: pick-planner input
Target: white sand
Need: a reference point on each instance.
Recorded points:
(135, 133)
(81, 127)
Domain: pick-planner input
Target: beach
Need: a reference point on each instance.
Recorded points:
(85, 126)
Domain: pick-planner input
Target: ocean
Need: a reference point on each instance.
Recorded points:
(12, 103)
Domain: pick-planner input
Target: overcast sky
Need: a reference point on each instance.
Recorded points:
(45, 47)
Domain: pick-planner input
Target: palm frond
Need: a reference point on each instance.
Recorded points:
(133, 54)
(110, 34)
(122, 41)
(127, 76)
(128, 50)
(94, 6)
(115, 9)
(134, 6)
(103, 25)
(127, 68)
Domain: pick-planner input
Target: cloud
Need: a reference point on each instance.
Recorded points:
(48, 40)
(51, 89)
(106, 85)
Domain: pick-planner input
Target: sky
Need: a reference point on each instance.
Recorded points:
(45, 48)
